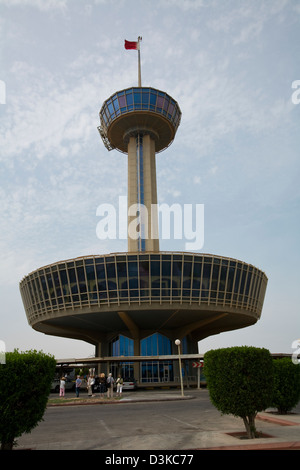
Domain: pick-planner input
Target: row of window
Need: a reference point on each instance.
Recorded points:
(137, 99)
(104, 279)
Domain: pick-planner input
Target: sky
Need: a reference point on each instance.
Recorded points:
(231, 65)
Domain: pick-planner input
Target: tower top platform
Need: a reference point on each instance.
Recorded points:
(135, 111)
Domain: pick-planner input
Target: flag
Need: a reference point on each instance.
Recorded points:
(132, 45)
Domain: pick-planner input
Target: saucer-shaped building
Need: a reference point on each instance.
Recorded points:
(135, 304)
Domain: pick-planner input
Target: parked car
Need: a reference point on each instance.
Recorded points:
(129, 383)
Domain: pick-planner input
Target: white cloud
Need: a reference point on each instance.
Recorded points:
(43, 5)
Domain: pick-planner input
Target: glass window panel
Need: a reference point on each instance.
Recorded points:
(177, 268)
(50, 285)
(64, 281)
(244, 273)
(132, 269)
(116, 104)
(153, 99)
(187, 269)
(223, 278)
(171, 109)
(100, 271)
(122, 99)
(90, 273)
(166, 268)
(44, 286)
(237, 280)
(230, 279)
(110, 108)
(129, 99)
(81, 279)
(206, 275)
(248, 284)
(197, 270)
(145, 97)
(122, 270)
(137, 98)
(111, 270)
(155, 268)
(160, 101)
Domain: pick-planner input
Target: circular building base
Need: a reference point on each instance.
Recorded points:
(94, 298)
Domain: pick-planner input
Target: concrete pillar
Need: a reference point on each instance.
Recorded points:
(144, 181)
(132, 188)
(136, 365)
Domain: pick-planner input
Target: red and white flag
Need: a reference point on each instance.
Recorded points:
(132, 44)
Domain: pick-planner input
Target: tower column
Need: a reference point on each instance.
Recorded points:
(132, 191)
(150, 192)
(142, 195)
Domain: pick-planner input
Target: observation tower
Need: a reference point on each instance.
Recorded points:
(133, 305)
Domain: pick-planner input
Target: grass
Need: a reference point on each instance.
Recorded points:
(82, 399)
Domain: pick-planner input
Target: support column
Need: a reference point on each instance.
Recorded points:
(142, 195)
(150, 193)
(132, 189)
(136, 365)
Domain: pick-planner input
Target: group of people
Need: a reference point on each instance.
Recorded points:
(105, 385)
(100, 383)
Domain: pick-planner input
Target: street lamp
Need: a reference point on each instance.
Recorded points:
(177, 342)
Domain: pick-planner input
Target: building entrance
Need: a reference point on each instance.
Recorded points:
(156, 371)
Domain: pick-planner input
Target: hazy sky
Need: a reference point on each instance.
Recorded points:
(229, 64)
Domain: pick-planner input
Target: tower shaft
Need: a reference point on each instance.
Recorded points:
(142, 195)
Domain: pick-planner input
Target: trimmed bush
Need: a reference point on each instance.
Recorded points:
(240, 382)
(286, 385)
(25, 382)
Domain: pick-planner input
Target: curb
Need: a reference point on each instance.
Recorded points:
(294, 445)
(124, 400)
(281, 422)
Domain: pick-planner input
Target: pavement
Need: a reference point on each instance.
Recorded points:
(217, 432)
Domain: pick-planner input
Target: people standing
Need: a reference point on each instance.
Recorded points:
(110, 386)
(119, 386)
(78, 383)
(90, 383)
(62, 386)
(103, 388)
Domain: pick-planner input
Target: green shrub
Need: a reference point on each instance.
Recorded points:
(25, 382)
(240, 382)
(286, 385)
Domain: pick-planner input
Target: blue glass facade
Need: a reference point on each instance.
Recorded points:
(150, 371)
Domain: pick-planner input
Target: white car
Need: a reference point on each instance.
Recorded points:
(129, 384)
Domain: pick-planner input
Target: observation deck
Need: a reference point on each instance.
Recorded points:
(139, 110)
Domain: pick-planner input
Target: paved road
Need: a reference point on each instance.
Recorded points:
(144, 425)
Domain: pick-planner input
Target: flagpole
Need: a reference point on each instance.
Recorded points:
(139, 63)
